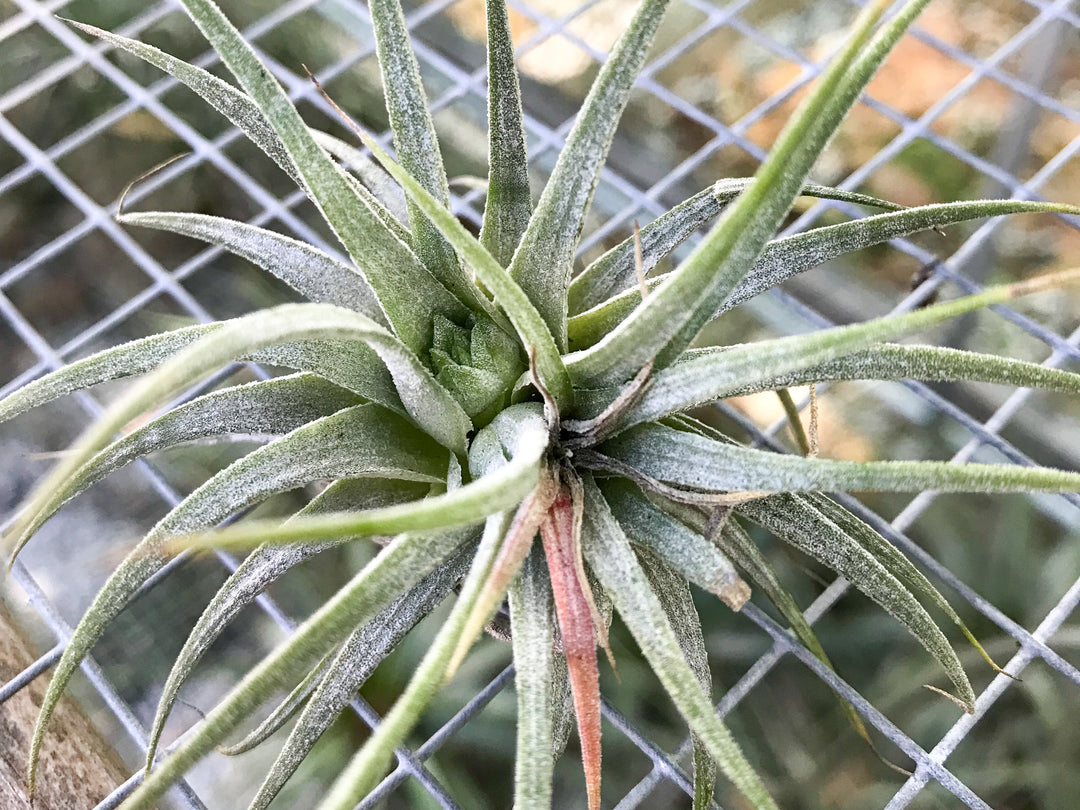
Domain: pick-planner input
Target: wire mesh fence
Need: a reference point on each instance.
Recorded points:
(983, 100)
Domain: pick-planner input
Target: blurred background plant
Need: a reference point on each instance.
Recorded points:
(982, 100)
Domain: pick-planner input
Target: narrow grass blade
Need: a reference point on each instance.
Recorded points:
(262, 567)
(665, 323)
(614, 272)
(509, 204)
(612, 560)
(316, 275)
(531, 606)
(704, 465)
(396, 569)
(410, 295)
(360, 654)
(714, 373)
(365, 440)
(543, 262)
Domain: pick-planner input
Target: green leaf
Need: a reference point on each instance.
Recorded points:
(415, 141)
(316, 275)
(360, 654)
(665, 323)
(369, 764)
(533, 638)
(674, 594)
(691, 555)
(612, 560)
(709, 374)
(813, 533)
(365, 440)
(614, 272)
(265, 408)
(787, 257)
(426, 401)
(382, 186)
(493, 492)
(543, 262)
(526, 319)
(907, 362)
(706, 466)
(264, 565)
(396, 569)
(509, 204)
(410, 295)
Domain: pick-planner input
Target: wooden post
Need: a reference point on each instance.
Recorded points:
(78, 768)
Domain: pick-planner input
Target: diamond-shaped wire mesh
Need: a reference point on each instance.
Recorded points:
(981, 99)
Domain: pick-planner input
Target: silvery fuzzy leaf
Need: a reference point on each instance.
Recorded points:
(409, 294)
(687, 552)
(358, 657)
(674, 594)
(787, 257)
(704, 466)
(260, 568)
(614, 272)
(543, 262)
(365, 440)
(316, 275)
(612, 560)
(397, 568)
(268, 408)
(663, 326)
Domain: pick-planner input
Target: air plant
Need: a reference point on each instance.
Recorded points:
(465, 395)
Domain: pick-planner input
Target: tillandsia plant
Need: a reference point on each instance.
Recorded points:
(468, 395)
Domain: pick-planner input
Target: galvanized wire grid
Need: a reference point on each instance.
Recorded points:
(621, 199)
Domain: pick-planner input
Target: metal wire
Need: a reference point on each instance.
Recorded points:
(621, 200)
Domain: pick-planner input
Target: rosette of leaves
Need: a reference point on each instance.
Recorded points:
(467, 396)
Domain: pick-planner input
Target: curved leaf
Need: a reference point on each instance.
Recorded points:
(544, 260)
(509, 203)
(674, 595)
(369, 764)
(665, 323)
(360, 654)
(365, 440)
(426, 401)
(614, 272)
(260, 568)
(813, 533)
(713, 373)
(533, 638)
(705, 465)
(265, 408)
(613, 561)
(691, 555)
(396, 569)
(382, 186)
(501, 485)
(316, 275)
(787, 257)
(410, 295)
